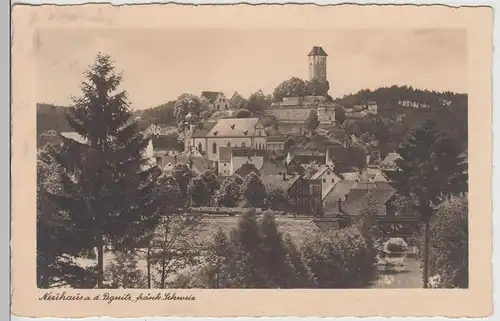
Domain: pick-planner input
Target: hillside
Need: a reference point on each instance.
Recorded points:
(51, 117)
(401, 109)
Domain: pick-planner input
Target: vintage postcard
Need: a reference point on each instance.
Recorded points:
(251, 160)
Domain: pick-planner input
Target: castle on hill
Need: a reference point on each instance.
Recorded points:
(296, 109)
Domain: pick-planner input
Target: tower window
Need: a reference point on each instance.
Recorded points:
(214, 148)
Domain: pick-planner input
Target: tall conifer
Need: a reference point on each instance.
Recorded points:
(108, 187)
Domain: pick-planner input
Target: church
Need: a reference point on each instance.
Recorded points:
(227, 132)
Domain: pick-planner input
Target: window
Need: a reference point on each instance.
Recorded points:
(324, 180)
(243, 144)
(200, 147)
(225, 164)
(333, 180)
(214, 148)
(228, 144)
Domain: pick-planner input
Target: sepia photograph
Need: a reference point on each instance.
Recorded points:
(312, 163)
(339, 160)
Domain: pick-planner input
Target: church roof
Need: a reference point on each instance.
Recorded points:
(234, 127)
(317, 51)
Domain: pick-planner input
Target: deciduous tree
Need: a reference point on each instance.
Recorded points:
(253, 190)
(431, 167)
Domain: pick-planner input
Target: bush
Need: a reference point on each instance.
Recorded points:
(340, 260)
(395, 244)
(449, 243)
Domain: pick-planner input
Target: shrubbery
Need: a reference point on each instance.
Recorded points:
(395, 244)
(341, 260)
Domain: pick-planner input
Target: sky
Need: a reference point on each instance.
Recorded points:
(158, 65)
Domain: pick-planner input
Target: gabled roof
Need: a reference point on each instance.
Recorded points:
(317, 51)
(339, 191)
(234, 127)
(159, 129)
(354, 203)
(246, 169)
(210, 95)
(225, 154)
(196, 161)
(307, 159)
(321, 171)
(277, 181)
(389, 162)
(271, 167)
(164, 142)
(204, 130)
(248, 152)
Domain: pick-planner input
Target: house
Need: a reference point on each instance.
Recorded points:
(217, 100)
(159, 130)
(389, 162)
(304, 196)
(235, 100)
(327, 177)
(166, 144)
(224, 161)
(243, 156)
(355, 202)
(246, 169)
(196, 163)
(349, 197)
(227, 132)
(272, 166)
(275, 143)
(232, 159)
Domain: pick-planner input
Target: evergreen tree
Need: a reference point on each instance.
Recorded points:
(247, 269)
(274, 254)
(431, 168)
(300, 277)
(253, 190)
(57, 239)
(108, 189)
(219, 257)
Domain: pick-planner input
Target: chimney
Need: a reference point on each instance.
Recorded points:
(284, 176)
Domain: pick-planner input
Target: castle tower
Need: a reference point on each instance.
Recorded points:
(317, 64)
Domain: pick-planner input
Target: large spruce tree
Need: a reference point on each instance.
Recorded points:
(108, 189)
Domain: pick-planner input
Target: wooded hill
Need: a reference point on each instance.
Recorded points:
(393, 122)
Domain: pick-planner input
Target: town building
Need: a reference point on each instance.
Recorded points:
(167, 163)
(348, 197)
(227, 132)
(217, 100)
(295, 110)
(236, 100)
(231, 159)
(303, 195)
(275, 143)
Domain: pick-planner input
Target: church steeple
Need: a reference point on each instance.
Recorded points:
(317, 63)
